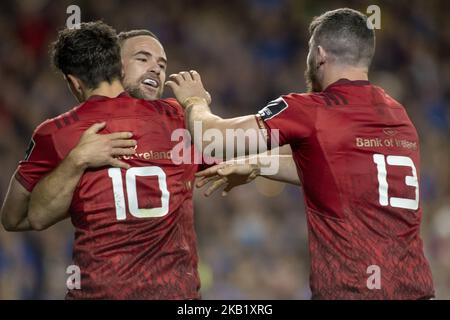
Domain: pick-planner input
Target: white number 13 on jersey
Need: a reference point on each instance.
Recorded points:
(130, 177)
(412, 181)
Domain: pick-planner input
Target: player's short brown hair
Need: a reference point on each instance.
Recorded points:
(345, 35)
(124, 35)
(91, 53)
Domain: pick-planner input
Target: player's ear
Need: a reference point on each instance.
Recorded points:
(74, 82)
(321, 56)
(122, 70)
(75, 86)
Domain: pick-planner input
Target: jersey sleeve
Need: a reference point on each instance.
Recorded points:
(288, 119)
(40, 159)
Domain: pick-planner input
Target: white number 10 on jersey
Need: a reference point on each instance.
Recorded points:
(383, 187)
(130, 178)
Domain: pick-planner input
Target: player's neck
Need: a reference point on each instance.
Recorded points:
(106, 89)
(344, 72)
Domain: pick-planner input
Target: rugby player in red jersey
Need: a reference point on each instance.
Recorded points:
(357, 156)
(134, 232)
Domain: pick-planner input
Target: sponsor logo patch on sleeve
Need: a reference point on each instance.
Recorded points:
(273, 108)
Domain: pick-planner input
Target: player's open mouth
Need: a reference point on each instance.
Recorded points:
(151, 82)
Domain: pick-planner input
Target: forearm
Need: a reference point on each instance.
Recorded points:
(276, 164)
(229, 138)
(198, 114)
(52, 196)
(15, 207)
(286, 171)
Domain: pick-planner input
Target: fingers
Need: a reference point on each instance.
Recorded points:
(195, 75)
(208, 98)
(123, 143)
(237, 169)
(122, 151)
(96, 127)
(177, 78)
(119, 164)
(201, 182)
(186, 75)
(216, 185)
(213, 172)
(204, 181)
(119, 135)
(172, 85)
(209, 172)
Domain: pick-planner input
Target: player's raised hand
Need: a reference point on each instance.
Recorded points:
(97, 150)
(227, 174)
(187, 85)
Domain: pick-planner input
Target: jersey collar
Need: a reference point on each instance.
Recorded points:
(349, 83)
(100, 97)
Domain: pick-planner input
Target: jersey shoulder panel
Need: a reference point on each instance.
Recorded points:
(292, 117)
(171, 104)
(50, 126)
(46, 128)
(42, 154)
(288, 102)
(313, 99)
(388, 99)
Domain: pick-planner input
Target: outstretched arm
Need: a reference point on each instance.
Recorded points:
(242, 135)
(236, 172)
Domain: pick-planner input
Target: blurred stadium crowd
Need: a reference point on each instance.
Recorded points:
(253, 244)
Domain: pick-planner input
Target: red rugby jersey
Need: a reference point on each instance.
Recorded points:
(357, 154)
(134, 229)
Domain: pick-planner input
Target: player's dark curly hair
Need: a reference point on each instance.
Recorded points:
(345, 35)
(90, 53)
